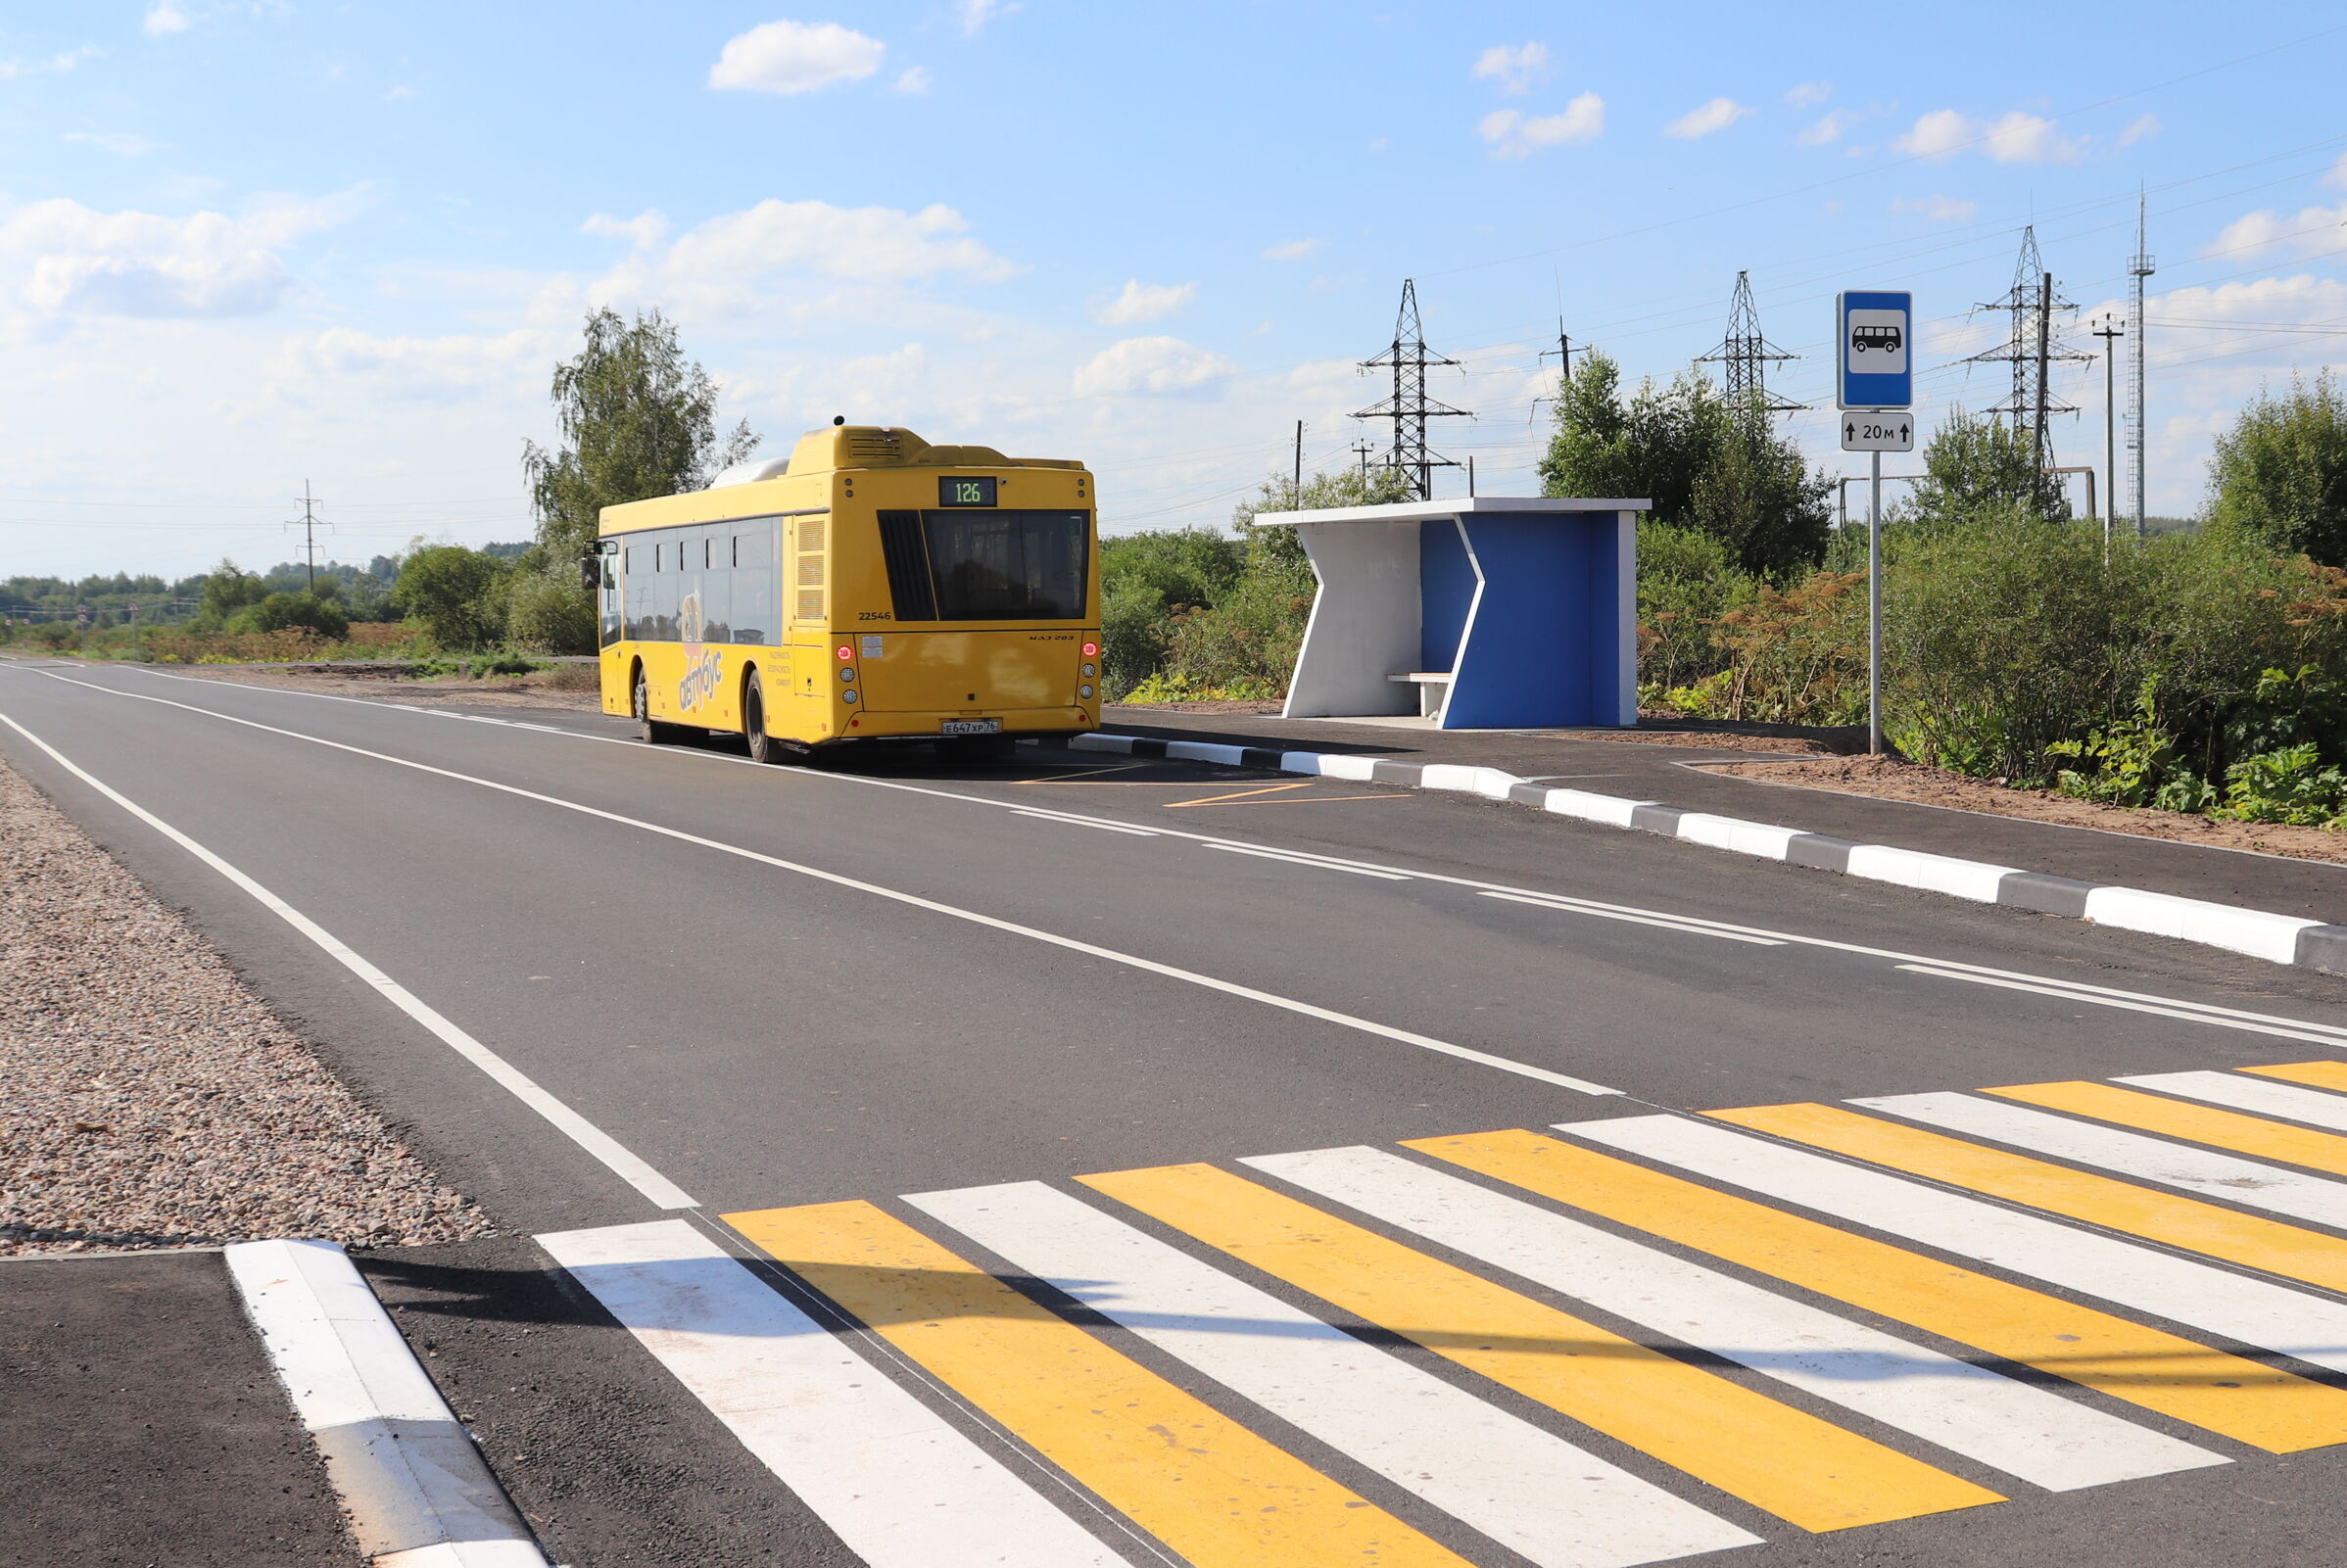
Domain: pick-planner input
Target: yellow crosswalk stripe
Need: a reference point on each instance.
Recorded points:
(1785, 1460)
(1208, 1487)
(2226, 1394)
(2196, 1124)
(2315, 1074)
(2121, 1206)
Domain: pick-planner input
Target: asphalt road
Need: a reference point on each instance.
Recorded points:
(794, 989)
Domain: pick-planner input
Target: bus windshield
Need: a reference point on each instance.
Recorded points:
(987, 565)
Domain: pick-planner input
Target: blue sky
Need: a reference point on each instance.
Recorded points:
(244, 245)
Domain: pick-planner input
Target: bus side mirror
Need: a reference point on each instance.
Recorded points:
(591, 570)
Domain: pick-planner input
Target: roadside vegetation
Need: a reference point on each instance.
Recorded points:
(2203, 669)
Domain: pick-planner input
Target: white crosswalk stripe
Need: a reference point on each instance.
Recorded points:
(2247, 1183)
(2040, 1437)
(1555, 1503)
(2244, 1092)
(2253, 1311)
(902, 1487)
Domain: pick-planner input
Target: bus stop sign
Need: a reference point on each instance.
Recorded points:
(1877, 336)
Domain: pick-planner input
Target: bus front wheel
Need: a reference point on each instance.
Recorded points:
(763, 747)
(652, 730)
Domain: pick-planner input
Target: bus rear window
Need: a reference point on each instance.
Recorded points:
(988, 565)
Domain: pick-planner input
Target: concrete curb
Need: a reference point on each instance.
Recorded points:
(2277, 938)
(417, 1492)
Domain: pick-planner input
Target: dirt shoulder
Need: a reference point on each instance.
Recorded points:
(154, 1100)
(1890, 779)
(565, 685)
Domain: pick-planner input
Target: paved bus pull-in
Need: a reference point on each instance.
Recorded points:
(871, 586)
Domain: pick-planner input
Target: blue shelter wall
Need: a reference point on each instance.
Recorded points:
(1446, 591)
(1545, 646)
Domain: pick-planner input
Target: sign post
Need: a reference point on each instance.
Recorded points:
(1875, 390)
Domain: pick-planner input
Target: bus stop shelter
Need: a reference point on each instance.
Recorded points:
(1492, 613)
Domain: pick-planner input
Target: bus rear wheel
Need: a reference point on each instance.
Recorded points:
(652, 730)
(763, 747)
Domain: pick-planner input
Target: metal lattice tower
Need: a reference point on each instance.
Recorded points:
(1410, 408)
(1745, 356)
(2033, 349)
(2138, 267)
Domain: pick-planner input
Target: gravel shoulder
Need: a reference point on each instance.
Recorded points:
(1890, 779)
(153, 1100)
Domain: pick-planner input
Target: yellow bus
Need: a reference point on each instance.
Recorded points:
(871, 586)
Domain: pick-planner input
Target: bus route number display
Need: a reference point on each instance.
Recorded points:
(965, 492)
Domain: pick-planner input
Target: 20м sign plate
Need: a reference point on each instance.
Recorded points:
(1878, 430)
(1876, 330)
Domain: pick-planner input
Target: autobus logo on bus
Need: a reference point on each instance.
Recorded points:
(705, 666)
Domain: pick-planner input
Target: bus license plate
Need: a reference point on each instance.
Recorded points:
(971, 727)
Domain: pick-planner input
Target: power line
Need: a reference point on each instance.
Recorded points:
(1409, 407)
(1745, 356)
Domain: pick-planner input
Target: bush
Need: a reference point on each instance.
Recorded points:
(280, 611)
(1686, 582)
(550, 614)
(458, 594)
(2280, 476)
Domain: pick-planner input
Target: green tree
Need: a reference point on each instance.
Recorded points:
(317, 611)
(1704, 464)
(637, 420)
(457, 592)
(2280, 475)
(1979, 469)
(229, 590)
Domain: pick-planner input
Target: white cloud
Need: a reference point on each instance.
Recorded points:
(1150, 365)
(400, 94)
(13, 67)
(1829, 127)
(647, 229)
(1143, 302)
(69, 260)
(1514, 135)
(1936, 208)
(2336, 179)
(121, 143)
(794, 57)
(1292, 250)
(2139, 130)
(1810, 94)
(2016, 137)
(1941, 133)
(915, 79)
(166, 16)
(1516, 68)
(2312, 231)
(1704, 120)
(443, 369)
(976, 13)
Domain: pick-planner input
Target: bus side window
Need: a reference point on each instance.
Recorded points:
(753, 584)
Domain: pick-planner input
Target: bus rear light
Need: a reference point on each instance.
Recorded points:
(1091, 650)
(848, 695)
(845, 653)
(1089, 671)
(1084, 690)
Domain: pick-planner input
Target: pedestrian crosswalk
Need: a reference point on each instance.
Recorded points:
(1641, 1339)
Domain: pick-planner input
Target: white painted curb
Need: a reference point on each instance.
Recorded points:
(417, 1489)
(2277, 938)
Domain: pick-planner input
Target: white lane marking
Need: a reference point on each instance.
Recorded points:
(2094, 996)
(1423, 1042)
(2205, 1012)
(2246, 1182)
(1308, 860)
(1556, 1504)
(1080, 822)
(343, 1364)
(2199, 1295)
(662, 1192)
(2247, 1092)
(1570, 908)
(2028, 1432)
(902, 1487)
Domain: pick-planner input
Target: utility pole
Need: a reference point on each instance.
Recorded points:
(1745, 356)
(2031, 349)
(1471, 476)
(1296, 495)
(308, 521)
(1409, 407)
(2138, 267)
(1361, 450)
(2109, 331)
